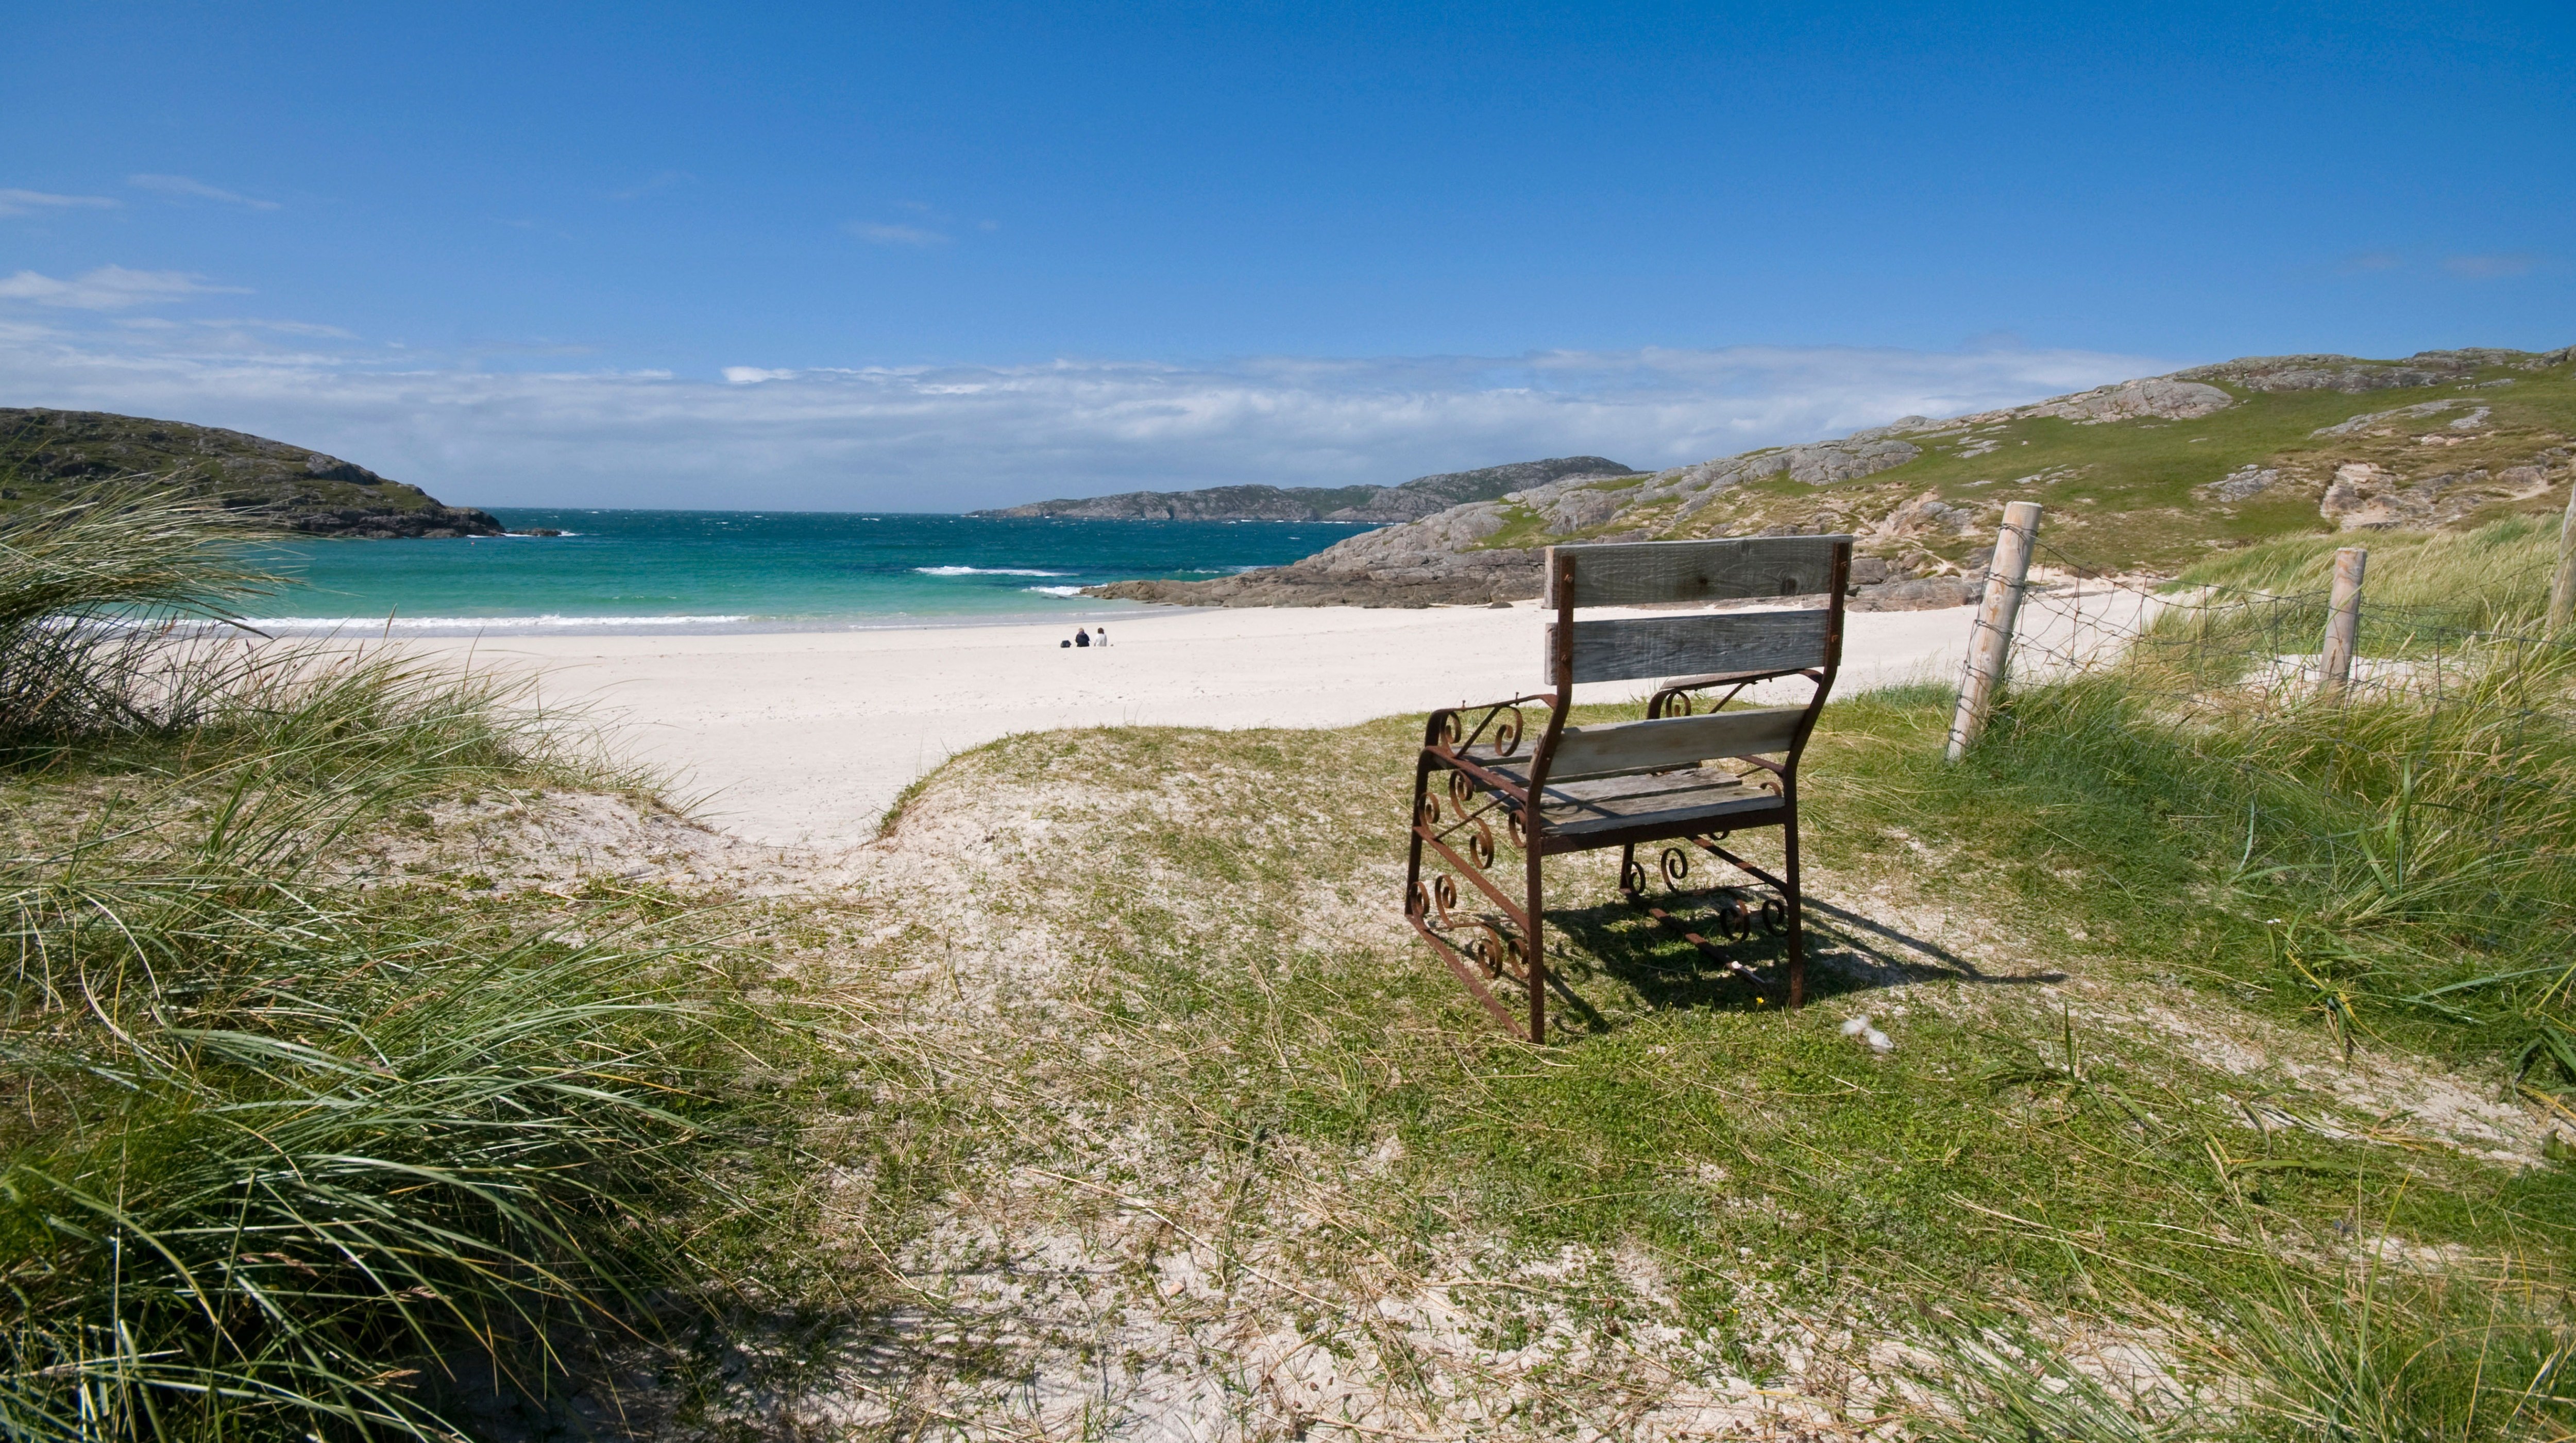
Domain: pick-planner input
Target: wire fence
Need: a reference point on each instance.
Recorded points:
(2247, 647)
(2411, 830)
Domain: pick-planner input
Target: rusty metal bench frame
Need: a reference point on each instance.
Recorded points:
(1682, 775)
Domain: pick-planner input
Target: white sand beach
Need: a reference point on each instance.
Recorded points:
(806, 737)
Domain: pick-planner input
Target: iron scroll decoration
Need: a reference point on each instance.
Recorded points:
(1505, 721)
(1488, 944)
(1732, 918)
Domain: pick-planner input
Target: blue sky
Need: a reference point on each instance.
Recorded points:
(945, 255)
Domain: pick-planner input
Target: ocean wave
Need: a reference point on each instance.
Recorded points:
(1053, 590)
(452, 623)
(988, 571)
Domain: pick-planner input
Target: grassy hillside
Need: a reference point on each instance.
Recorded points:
(51, 457)
(2150, 492)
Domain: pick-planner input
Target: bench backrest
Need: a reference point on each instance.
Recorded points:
(1806, 639)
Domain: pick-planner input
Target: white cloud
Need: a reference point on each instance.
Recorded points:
(283, 328)
(188, 188)
(108, 288)
(950, 438)
(918, 237)
(36, 202)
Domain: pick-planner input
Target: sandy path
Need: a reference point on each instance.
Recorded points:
(807, 736)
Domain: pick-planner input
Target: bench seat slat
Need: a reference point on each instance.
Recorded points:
(1684, 801)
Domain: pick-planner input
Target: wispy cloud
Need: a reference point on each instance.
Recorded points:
(108, 288)
(661, 180)
(283, 328)
(2491, 267)
(181, 187)
(877, 233)
(2362, 263)
(943, 438)
(38, 202)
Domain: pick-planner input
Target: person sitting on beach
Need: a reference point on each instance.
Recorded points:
(1100, 636)
(1081, 637)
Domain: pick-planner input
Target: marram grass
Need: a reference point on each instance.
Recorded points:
(279, 1151)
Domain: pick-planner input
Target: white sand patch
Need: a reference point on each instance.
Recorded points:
(808, 736)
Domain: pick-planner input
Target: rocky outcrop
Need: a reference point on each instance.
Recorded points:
(2159, 396)
(2243, 483)
(46, 454)
(2367, 497)
(1430, 495)
(1483, 550)
(2354, 375)
(1925, 515)
(1420, 497)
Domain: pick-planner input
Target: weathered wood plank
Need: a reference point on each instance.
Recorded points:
(1628, 573)
(1579, 808)
(1679, 799)
(1626, 648)
(1619, 748)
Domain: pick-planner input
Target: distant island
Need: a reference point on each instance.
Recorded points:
(1422, 496)
(45, 455)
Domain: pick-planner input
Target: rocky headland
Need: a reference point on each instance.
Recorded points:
(1422, 496)
(2139, 476)
(46, 454)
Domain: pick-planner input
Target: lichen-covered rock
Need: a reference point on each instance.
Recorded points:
(2159, 396)
(1925, 515)
(2349, 374)
(1818, 463)
(2243, 482)
(2370, 421)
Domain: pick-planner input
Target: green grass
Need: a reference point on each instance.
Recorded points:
(286, 1156)
(346, 1154)
(2037, 1159)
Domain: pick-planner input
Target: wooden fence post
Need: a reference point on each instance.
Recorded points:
(2562, 587)
(1990, 642)
(2343, 621)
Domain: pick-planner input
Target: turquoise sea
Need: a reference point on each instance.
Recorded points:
(626, 571)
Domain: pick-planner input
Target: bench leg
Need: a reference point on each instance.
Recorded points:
(1797, 900)
(1412, 819)
(1534, 945)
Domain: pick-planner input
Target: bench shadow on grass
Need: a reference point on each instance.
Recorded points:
(1614, 948)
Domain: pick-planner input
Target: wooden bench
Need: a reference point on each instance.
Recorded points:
(1689, 772)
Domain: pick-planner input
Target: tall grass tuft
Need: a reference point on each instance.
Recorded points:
(2397, 860)
(2411, 836)
(93, 597)
(279, 1149)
